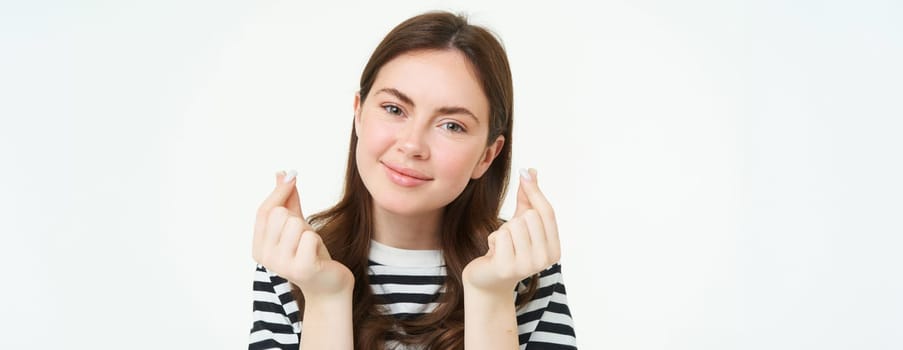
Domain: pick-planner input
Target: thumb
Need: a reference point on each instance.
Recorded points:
(293, 203)
(523, 201)
(285, 194)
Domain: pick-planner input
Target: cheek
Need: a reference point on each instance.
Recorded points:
(458, 161)
(374, 138)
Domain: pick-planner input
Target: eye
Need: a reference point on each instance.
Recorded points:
(392, 109)
(453, 127)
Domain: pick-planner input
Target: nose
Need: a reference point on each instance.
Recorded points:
(411, 141)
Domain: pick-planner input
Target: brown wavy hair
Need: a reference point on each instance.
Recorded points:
(466, 222)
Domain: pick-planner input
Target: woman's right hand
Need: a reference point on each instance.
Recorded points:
(286, 245)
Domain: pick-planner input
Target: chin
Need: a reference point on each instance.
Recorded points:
(399, 205)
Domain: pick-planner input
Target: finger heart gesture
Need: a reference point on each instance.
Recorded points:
(523, 246)
(287, 245)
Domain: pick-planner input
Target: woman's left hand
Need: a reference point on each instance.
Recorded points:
(522, 247)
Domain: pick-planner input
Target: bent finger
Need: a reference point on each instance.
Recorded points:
(537, 237)
(306, 254)
(291, 235)
(274, 223)
(504, 247)
(520, 239)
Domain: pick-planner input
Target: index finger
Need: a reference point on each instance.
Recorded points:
(278, 197)
(539, 202)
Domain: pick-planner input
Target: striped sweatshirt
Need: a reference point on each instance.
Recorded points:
(409, 282)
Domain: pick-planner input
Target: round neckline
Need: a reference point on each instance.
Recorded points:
(387, 255)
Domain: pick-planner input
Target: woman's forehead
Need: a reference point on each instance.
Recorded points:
(432, 78)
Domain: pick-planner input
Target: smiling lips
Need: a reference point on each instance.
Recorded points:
(404, 176)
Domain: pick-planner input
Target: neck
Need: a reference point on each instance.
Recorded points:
(420, 231)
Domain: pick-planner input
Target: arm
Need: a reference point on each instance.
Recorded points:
(285, 243)
(523, 246)
(327, 323)
(544, 322)
(489, 320)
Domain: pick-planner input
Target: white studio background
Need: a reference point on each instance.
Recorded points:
(726, 173)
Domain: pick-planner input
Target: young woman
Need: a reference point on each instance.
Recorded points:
(414, 255)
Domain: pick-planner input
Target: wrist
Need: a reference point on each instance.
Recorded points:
(326, 307)
(337, 298)
(499, 290)
(329, 286)
(489, 295)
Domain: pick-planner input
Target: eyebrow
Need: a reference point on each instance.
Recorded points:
(441, 110)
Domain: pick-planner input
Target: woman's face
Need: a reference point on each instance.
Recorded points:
(422, 132)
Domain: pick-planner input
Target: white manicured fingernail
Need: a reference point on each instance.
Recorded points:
(289, 176)
(525, 174)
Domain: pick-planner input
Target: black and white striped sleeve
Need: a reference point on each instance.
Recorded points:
(545, 321)
(275, 322)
